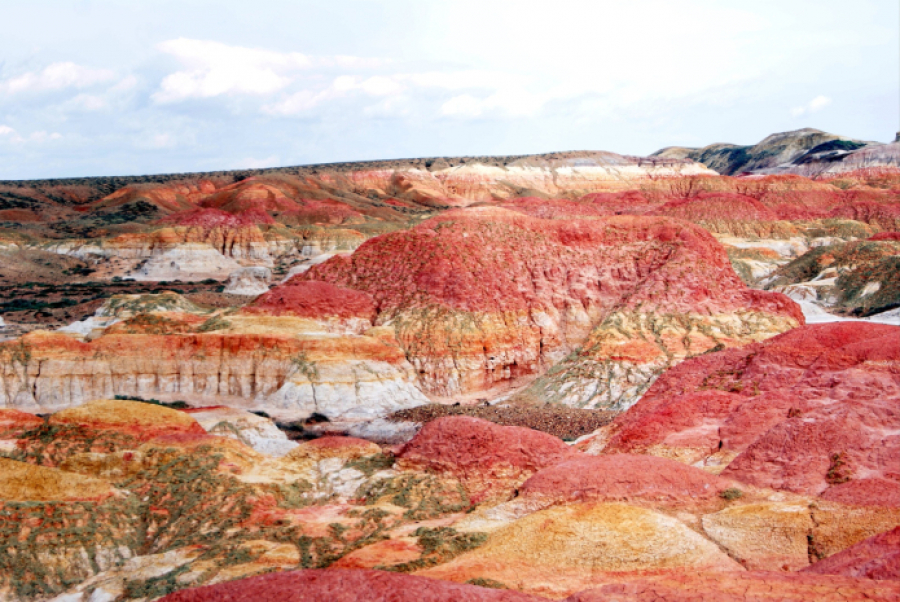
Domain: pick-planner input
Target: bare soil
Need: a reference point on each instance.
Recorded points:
(560, 421)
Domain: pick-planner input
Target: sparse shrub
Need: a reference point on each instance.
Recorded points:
(439, 545)
(369, 465)
(839, 470)
(731, 494)
(175, 405)
(483, 582)
(214, 323)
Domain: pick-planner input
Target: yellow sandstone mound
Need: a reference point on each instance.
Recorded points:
(143, 420)
(22, 482)
(565, 549)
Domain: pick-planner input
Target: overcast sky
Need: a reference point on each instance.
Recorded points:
(103, 87)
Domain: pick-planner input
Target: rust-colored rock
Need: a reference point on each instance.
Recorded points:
(13, 422)
(317, 300)
(489, 459)
(811, 409)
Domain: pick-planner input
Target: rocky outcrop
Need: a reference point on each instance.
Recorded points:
(257, 432)
(250, 281)
(857, 278)
(188, 262)
(479, 298)
(801, 412)
(490, 460)
(806, 151)
(350, 376)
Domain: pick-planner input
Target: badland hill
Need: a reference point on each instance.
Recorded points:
(574, 376)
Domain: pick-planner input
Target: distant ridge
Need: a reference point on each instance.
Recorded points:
(805, 151)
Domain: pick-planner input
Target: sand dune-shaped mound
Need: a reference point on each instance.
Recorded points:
(23, 482)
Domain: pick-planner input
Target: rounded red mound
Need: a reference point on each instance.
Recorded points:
(344, 585)
(15, 422)
(491, 460)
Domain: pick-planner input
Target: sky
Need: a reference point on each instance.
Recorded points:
(119, 87)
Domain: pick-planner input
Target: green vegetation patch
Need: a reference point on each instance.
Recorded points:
(424, 496)
(438, 546)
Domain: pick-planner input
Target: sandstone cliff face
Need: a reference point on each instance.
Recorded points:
(343, 376)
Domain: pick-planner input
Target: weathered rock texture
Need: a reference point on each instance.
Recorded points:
(810, 410)
(489, 459)
(564, 549)
(249, 281)
(858, 278)
(480, 297)
(269, 369)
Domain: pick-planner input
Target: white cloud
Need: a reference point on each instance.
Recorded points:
(509, 103)
(342, 86)
(56, 76)
(297, 103)
(87, 102)
(214, 69)
(41, 136)
(816, 104)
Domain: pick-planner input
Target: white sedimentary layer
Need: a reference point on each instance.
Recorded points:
(349, 388)
(188, 262)
(258, 432)
(252, 280)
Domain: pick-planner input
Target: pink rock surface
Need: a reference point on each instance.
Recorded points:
(626, 478)
(804, 411)
(343, 585)
(742, 587)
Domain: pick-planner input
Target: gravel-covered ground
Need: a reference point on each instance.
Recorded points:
(561, 421)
